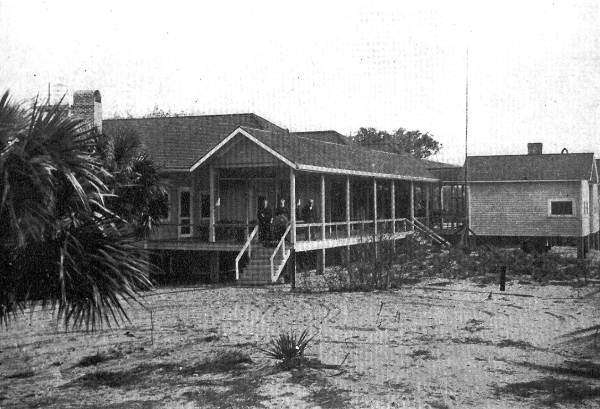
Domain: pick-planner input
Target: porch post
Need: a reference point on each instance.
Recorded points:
(375, 217)
(348, 229)
(322, 207)
(321, 253)
(293, 206)
(442, 210)
(211, 220)
(348, 205)
(393, 204)
(412, 202)
(292, 262)
(375, 206)
(427, 205)
(247, 228)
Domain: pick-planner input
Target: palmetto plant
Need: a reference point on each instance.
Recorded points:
(288, 346)
(60, 244)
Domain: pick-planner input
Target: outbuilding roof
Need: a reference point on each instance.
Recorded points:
(542, 167)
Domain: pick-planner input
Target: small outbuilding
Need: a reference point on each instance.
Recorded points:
(537, 199)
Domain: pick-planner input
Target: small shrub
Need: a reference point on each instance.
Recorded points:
(98, 358)
(288, 347)
(229, 359)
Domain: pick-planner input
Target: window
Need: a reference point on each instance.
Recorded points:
(561, 208)
(185, 212)
(165, 214)
(204, 205)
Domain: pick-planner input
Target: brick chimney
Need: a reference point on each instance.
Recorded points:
(534, 148)
(87, 104)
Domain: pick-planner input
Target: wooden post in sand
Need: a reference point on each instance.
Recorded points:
(503, 278)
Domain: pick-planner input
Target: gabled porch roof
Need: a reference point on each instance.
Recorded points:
(309, 154)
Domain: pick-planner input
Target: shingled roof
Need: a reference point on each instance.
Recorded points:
(325, 136)
(178, 142)
(444, 171)
(546, 167)
(313, 154)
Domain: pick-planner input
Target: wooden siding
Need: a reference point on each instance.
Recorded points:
(233, 201)
(595, 208)
(521, 209)
(585, 208)
(242, 152)
(173, 181)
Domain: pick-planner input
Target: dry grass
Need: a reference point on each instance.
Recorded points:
(416, 346)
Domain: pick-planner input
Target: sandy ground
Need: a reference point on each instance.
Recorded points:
(422, 346)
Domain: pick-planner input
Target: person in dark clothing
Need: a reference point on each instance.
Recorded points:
(299, 210)
(265, 218)
(308, 215)
(281, 220)
(282, 209)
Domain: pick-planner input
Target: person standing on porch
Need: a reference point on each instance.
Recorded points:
(299, 210)
(280, 221)
(282, 209)
(265, 218)
(308, 215)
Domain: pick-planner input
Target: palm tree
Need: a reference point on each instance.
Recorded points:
(60, 244)
(138, 195)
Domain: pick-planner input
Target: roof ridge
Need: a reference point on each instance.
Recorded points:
(536, 155)
(324, 130)
(185, 116)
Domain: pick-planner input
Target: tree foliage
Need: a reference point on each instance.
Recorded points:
(61, 243)
(138, 196)
(420, 145)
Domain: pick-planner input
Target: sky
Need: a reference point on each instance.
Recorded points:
(533, 66)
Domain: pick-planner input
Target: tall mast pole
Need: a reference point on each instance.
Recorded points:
(466, 181)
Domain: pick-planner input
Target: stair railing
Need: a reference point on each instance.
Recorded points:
(280, 245)
(247, 245)
(426, 230)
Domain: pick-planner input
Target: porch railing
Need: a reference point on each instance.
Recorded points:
(247, 246)
(173, 231)
(232, 231)
(279, 249)
(428, 232)
(354, 228)
(235, 232)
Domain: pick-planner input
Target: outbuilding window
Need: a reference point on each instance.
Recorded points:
(561, 208)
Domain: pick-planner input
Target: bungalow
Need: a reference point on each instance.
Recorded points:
(539, 199)
(219, 168)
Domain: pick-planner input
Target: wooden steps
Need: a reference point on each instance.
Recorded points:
(258, 270)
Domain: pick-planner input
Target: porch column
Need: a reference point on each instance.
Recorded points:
(375, 206)
(393, 204)
(427, 205)
(322, 207)
(211, 220)
(348, 228)
(321, 253)
(348, 205)
(412, 200)
(247, 221)
(442, 209)
(293, 206)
